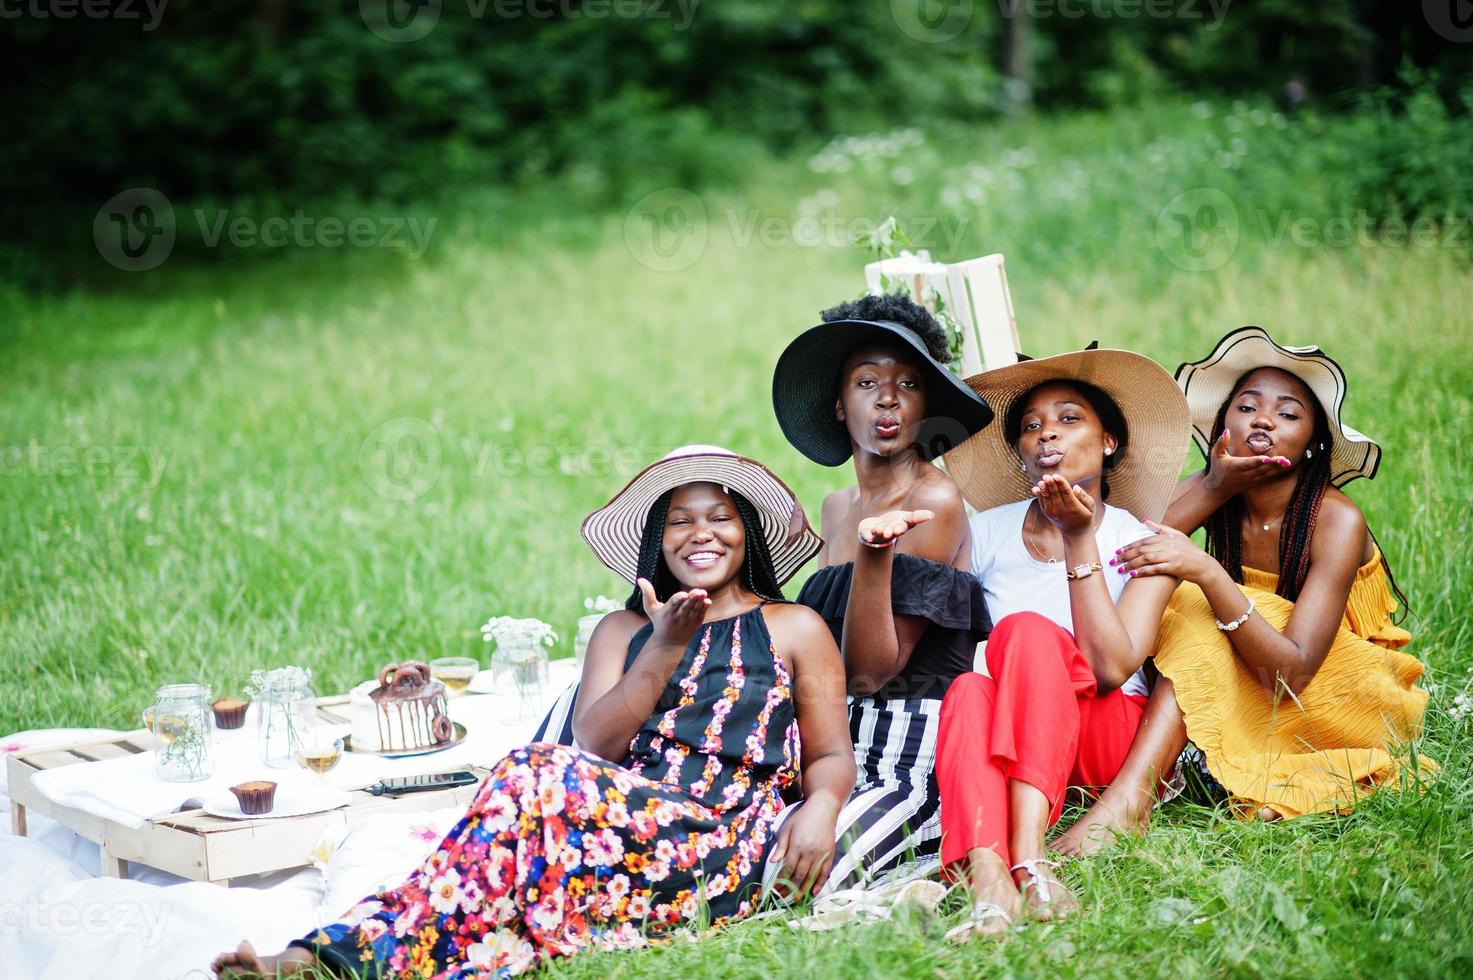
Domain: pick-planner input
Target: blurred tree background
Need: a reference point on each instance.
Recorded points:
(232, 99)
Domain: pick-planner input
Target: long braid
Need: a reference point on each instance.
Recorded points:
(1406, 606)
(1224, 526)
(1301, 517)
(757, 573)
(651, 557)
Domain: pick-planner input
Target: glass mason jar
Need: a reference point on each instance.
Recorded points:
(286, 713)
(526, 662)
(183, 723)
(586, 626)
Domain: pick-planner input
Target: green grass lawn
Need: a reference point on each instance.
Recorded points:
(342, 458)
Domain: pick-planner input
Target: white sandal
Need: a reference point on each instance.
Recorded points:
(1037, 881)
(860, 905)
(982, 913)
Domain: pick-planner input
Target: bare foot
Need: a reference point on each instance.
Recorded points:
(1048, 899)
(995, 899)
(1097, 829)
(244, 961)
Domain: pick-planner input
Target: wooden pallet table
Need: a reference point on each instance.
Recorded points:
(191, 843)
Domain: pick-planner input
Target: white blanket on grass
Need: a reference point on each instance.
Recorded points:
(59, 919)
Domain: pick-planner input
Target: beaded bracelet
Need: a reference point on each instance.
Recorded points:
(1229, 627)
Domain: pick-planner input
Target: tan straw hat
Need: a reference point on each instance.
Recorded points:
(1209, 382)
(615, 530)
(1158, 431)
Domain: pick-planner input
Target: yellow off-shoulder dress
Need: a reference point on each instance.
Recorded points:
(1343, 737)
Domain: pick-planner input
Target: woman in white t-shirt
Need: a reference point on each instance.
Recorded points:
(1089, 442)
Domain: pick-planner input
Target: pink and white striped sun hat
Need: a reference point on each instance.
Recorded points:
(615, 530)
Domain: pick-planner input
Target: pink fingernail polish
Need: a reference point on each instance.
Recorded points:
(1132, 574)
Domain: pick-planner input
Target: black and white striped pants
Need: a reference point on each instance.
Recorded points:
(893, 817)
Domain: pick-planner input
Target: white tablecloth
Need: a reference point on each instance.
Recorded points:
(127, 790)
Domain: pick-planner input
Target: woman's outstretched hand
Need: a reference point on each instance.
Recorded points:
(1230, 475)
(883, 531)
(676, 620)
(1067, 506)
(1167, 552)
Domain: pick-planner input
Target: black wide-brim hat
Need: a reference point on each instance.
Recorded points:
(805, 386)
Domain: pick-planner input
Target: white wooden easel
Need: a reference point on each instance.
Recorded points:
(976, 294)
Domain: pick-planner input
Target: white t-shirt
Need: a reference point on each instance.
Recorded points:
(1015, 581)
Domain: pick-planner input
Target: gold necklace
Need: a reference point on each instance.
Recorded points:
(1269, 524)
(1029, 545)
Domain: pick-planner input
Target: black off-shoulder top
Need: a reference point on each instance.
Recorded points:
(950, 599)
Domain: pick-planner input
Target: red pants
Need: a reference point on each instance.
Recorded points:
(1036, 719)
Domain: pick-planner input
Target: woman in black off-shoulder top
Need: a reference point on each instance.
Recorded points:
(894, 585)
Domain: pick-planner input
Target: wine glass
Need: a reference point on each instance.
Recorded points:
(318, 752)
(456, 673)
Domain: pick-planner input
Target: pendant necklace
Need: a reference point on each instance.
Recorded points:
(1034, 550)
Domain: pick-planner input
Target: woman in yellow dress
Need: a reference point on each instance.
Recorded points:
(1278, 656)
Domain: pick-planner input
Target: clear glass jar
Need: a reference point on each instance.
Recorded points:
(183, 723)
(286, 715)
(526, 662)
(586, 625)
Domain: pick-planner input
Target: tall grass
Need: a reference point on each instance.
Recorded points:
(206, 471)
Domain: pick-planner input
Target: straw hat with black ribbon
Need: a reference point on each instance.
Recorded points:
(615, 530)
(805, 386)
(1143, 474)
(1209, 382)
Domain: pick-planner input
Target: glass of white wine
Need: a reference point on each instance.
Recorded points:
(319, 752)
(456, 673)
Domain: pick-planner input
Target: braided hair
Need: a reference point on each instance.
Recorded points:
(757, 573)
(1224, 526)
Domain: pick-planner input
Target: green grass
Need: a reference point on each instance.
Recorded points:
(264, 539)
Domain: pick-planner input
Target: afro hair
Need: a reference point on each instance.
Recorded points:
(900, 309)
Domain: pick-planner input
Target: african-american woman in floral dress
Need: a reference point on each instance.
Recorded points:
(691, 690)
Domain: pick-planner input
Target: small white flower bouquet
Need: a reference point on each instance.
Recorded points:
(601, 605)
(507, 632)
(521, 648)
(269, 683)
